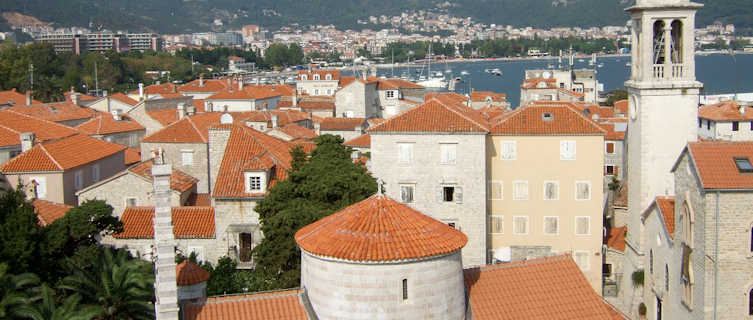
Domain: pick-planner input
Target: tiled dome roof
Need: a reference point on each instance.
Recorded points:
(379, 229)
(189, 273)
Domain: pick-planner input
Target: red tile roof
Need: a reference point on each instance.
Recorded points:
(63, 154)
(278, 305)
(621, 105)
(13, 124)
(106, 124)
(81, 98)
(248, 93)
(533, 83)
(189, 273)
(396, 83)
(725, 111)
(493, 111)
(284, 117)
(15, 98)
(250, 150)
(342, 124)
(379, 229)
(123, 98)
(715, 164)
(199, 200)
(308, 103)
(666, 206)
(439, 114)
(188, 223)
(165, 88)
(132, 156)
(612, 134)
(530, 120)
(210, 85)
(298, 132)
(546, 288)
(48, 211)
(321, 72)
(481, 96)
(179, 180)
(616, 238)
(55, 112)
(363, 141)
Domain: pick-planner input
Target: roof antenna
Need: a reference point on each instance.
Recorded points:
(380, 182)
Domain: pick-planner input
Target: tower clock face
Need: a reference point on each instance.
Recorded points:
(633, 106)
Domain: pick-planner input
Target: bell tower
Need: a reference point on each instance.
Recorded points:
(663, 104)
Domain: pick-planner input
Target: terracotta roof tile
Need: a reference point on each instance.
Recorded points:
(616, 238)
(612, 134)
(199, 200)
(284, 117)
(396, 83)
(493, 111)
(161, 89)
(439, 114)
(81, 98)
(48, 211)
(534, 83)
(106, 124)
(250, 150)
(725, 111)
(55, 112)
(666, 206)
(188, 223)
(132, 156)
(298, 132)
(308, 103)
(63, 154)
(546, 288)
(14, 98)
(123, 98)
(210, 85)
(481, 96)
(179, 180)
(279, 305)
(342, 124)
(191, 129)
(13, 124)
(363, 141)
(379, 229)
(321, 72)
(621, 105)
(715, 163)
(249, 93)
(189, 273)
(532, 119)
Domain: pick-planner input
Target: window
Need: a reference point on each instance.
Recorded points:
(495, 190)
(304, 77)
(551, 225)
(390, 94)
(40, 186)
(452, 225)
(316, 91)
(567, 150)
(582, 190)
(406, 193)
(606, 269)
(551, 190)
(751, 239)
(131, 202)
(610, 147)
(451, 194)
(609, 170)
(316, 77)
(350, 114)
(186, 157)
(666, 278)
(520, 226)
(708, 124)
(255, 182)
(328, 76)
(735, 126)
(95, 172)
(751, 125)
(498, 224)
(651, 261)
(750, 302)
(79, 180)
(686, 277)
(700, 123)
(329, 92)
(246, 242)
(743, 165)
(520, 190)
(405, 289)
(509, 150)
(686, 221)
(199, 251)
(448, 152)
(406, 152)
(581, 259)
(582, 226)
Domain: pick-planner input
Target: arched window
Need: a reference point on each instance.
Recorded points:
(677, 41)
(304, 77)
(316, 77)
(659, 42)
(686, 275)
(328, 77)
(686, 218)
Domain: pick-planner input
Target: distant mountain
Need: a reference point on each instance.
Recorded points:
(184, 16)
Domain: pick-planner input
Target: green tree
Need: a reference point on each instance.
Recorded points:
(19, 230)
(118, 286)
(318, 186)
(14, 291)
(616, 95)
(46, 308)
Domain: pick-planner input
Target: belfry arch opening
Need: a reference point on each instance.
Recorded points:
(659, 42)
(677, 42)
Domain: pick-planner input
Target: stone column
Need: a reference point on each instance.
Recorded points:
(165, 284)
(668, 72)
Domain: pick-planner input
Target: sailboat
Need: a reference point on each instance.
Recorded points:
(432, 81)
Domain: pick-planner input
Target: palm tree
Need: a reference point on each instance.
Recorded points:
(13, 291)
(118, 286)
(45, 308)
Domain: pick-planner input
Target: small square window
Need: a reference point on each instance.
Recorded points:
(186, 157)
(509, 150)
(498, 224)
(735, 126)
(582, 226)
(567, 150)
(131, 202)
(582, 190)
(448, 194)
(448, 153)
(254, 183)
(609, 170)
(495, 190)
(743, 165)
(520, 190)
(520, 226)
(451, 225)
(551, 225)
(406, 193)
(551, 190)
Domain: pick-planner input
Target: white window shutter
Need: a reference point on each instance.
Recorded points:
(458, 195)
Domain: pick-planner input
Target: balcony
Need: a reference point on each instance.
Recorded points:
(669, 72)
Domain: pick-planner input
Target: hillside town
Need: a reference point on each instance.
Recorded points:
(362, 196)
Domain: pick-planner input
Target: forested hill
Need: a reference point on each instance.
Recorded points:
(184, 16)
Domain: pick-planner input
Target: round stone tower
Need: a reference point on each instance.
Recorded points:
(380, 259)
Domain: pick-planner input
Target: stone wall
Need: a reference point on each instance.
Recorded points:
(115, 192)
(172, 152)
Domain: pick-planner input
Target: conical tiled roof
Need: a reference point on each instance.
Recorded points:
(189, 273)
(379, 229)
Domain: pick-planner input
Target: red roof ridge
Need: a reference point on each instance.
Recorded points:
(41, 146)
(456, 111)
(204, 139)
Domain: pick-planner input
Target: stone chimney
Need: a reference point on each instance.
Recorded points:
(107, 104)
(218, 138)
(295, 100)
(190, 110)
(201, 80)
(240, 84)
(275, 119)
(28, 98)
(27, 141)
(181, 111)
(165, 282)
(115, 114)
(141, 91)
(75, 96)
(317, 128)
